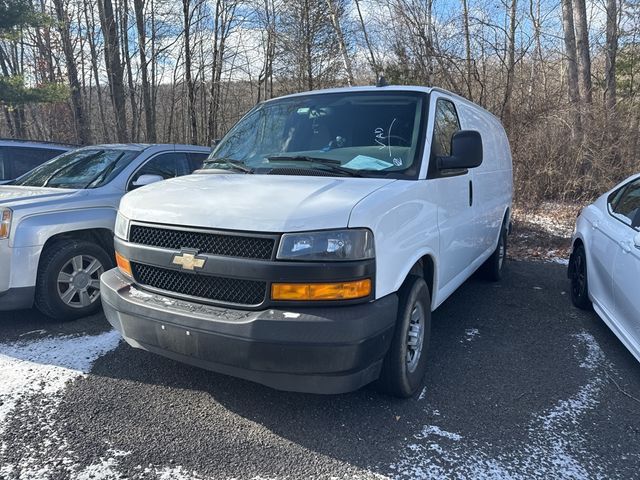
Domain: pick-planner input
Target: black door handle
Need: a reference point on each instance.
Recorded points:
(470, 193)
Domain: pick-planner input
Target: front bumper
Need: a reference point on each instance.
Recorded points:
(312, 349)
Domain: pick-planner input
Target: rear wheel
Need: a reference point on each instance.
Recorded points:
(68, 284)
(494, 266)
(406, 361)
(579, 280)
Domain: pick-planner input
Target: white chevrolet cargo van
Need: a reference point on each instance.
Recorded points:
(310, 252)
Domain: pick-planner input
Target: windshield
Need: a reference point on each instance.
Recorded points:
(369, 133)
(84, 168)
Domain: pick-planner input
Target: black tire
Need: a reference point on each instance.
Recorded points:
(579, 279)
(493, 268)
(402, 374)
(58, 278)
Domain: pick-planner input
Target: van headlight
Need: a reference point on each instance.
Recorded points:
(5, 222)
(122, 227)
(327, 245)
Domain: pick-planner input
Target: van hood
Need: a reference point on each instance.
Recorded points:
(259, 203)
(15, 196)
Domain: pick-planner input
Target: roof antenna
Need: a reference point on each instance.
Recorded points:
(382, 82)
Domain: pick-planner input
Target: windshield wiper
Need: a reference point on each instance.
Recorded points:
(233, 164)
(105, 173)
(68, 166)
(332, 165)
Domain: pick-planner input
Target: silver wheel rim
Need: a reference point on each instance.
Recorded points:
(415, 337)
(78, 281)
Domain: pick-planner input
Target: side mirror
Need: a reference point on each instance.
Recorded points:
(147, 179)
(466, 151)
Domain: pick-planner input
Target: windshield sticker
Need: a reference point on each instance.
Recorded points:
(380, 137)
(362, 162)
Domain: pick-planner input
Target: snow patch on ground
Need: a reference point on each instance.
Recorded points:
(470, 334)
(33, 376)
(553, 437)
(45, 365)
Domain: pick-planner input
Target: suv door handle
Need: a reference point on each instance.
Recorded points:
(626, 247)
(595, 225)
(470, 193)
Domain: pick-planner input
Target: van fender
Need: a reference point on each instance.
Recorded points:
(406, 270)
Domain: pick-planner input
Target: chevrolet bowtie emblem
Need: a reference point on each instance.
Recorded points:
(189, 260)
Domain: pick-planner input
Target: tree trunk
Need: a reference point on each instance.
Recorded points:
(83, 135)
(150, 125)
(191, 96)
(372, 57)
(467, 44)
(511, 63)
(114, 67)
(582, 44)
(611, 53)
(572, 64)
(334, 14)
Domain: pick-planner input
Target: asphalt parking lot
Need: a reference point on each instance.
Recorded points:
(520, 385)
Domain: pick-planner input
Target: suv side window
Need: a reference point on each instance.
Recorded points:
(16, 161)
(446, 124)
(196, 159)
(167, 165)
(626, 203)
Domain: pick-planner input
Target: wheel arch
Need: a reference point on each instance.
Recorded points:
(426, 268)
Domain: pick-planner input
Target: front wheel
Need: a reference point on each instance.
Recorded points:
(579, 280)
(405, 364)
(68, 284)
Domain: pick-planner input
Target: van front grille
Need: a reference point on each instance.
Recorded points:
(207, 287)
(212, 243)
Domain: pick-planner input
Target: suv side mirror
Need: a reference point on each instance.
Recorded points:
(466, 151)
(147, 179)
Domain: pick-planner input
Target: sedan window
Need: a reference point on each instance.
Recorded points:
(626, 205)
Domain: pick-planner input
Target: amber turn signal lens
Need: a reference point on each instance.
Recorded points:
(123, 264)
(321, 291)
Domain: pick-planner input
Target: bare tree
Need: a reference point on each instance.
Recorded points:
(582, 44)
(114, 66)
(572, 63)
(80, 119)
(610, 55)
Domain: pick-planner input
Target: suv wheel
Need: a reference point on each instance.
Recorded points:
(579, 281)
(405, 364)
(68, 284)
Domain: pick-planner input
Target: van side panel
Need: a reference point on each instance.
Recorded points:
(493, 180)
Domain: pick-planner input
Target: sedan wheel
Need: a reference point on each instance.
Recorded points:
(579, 279)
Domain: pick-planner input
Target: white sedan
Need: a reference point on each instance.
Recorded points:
(604, 267)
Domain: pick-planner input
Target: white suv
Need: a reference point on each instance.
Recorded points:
(311, 251)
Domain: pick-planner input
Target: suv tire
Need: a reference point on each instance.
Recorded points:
(68, 283)
(405, 364)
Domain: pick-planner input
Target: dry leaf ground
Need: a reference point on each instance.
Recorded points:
(543, 232)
